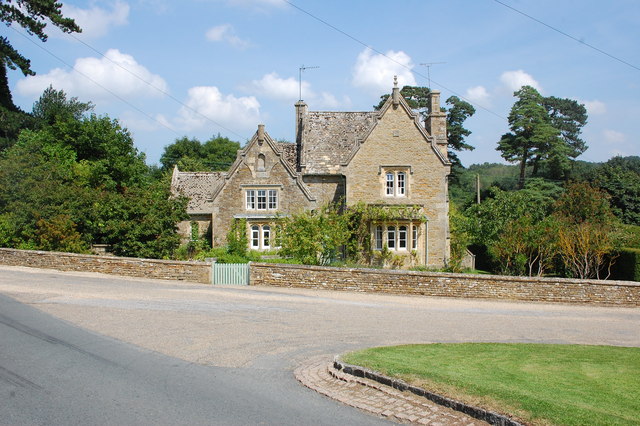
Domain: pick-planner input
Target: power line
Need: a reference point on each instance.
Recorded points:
(389, 58)
(568, 35)
(92, 80)
(156, 88)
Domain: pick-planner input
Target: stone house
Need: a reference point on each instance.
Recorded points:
(386, 158)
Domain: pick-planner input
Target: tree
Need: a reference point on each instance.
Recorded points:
(418, 99)
(620, 178)
(314, 237)
(216, 154)
(544, 133)
(33, 16)
(532, 133)
(53, 106)
(587, 236)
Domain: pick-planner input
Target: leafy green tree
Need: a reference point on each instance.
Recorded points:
(588, 235)
(216, 154)
(545, 134)
(33, 16)
(532, 134)
(53, 106)
(620, 178)
(314, 237)
(457, 112)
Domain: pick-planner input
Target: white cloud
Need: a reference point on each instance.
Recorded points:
(284, 89)
(595, 107)
(288, 90)
(514, 80)
(226, 33)
(478, 94)
(613, 136)
(96, 22)
(375, 71)
(207, 106)
(117, 72)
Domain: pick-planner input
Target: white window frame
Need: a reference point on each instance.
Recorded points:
(378, 237)
(266, 237)
(414, 237)
(401, 188)
(272, 199)
(402, 237)
(396, 182)
(390, 184)
(391, 237)
(261, 199)
(254, 240)
(251, 199)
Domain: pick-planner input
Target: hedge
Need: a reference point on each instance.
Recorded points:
(627, 265)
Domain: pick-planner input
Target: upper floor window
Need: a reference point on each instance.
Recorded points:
(395, 183)
(262, 199)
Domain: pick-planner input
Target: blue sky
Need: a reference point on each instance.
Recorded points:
(197, 68)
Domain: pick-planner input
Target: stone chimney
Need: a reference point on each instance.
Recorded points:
(301, 112)
(436, 122)
(260, 133)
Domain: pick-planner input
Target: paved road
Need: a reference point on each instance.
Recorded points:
(169, 352)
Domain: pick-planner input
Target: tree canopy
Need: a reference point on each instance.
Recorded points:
(216, 154)
(544, 133)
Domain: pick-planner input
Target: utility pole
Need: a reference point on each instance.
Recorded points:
(478, 188)
(302, 68)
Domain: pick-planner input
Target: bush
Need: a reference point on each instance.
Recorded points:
(627, 265)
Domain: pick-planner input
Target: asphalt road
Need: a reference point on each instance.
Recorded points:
(95, 349)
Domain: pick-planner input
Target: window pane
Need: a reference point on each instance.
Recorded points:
(402, 237)
(255, 237)
(414, 243)
(391, 237)
(390, 183)
(262, 199)
(251, 199)
(378, 238)
(266, 236)
(273, 199)
(401, 183)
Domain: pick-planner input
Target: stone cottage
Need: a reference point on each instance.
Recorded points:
(386, 158)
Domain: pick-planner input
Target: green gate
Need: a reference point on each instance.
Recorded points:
(230, 273)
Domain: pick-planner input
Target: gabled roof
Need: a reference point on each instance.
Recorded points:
(285, 152)
(198, 187)
(330, 138)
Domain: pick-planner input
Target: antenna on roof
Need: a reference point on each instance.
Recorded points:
(302, 68)
(428, 65)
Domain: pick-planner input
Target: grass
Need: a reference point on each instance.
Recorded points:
(539, 384)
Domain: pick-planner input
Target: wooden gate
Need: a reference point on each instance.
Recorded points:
(230, 273)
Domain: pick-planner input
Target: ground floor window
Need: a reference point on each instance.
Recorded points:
(396, 237)
(260, 236)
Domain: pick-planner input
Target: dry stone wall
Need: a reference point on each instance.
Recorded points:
(132, 267)
(561, 290)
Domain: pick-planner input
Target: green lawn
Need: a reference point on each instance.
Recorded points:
(539, 384)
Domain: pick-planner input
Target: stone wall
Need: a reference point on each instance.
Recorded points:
(562, 290)
(132, 267)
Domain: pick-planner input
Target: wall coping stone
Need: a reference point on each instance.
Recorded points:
(479, 277)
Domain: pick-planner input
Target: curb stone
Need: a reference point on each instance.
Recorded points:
(319, 374)
(475, 412)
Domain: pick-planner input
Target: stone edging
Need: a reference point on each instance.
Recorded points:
(475, 412)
